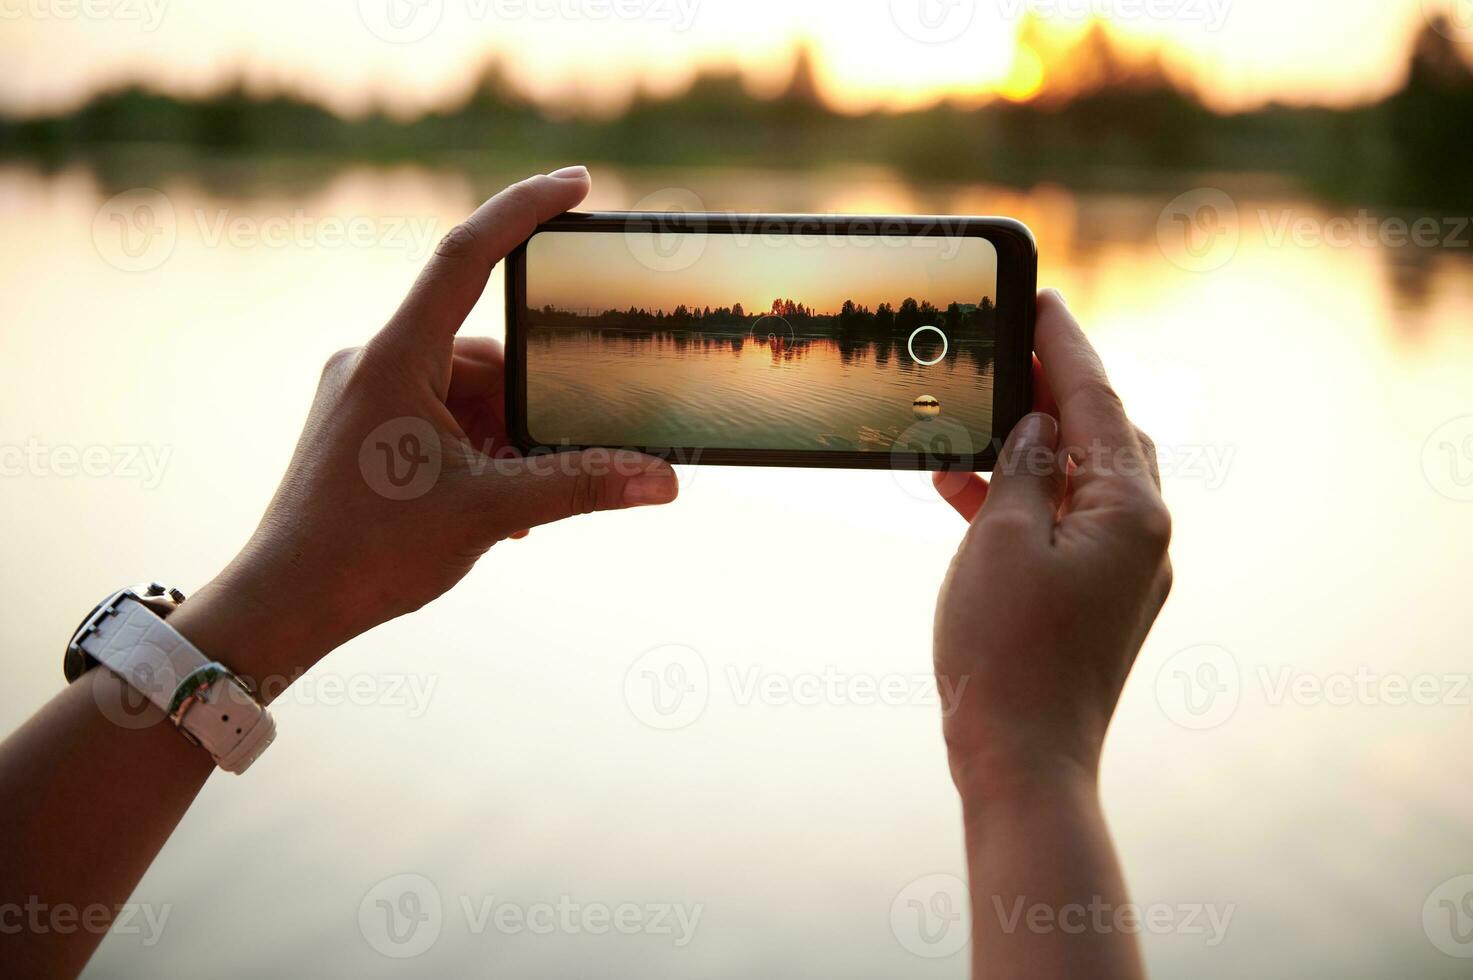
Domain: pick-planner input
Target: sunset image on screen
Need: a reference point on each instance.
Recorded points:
(804, 342)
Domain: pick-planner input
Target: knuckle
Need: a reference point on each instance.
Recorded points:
(585, 492)
(341, 362)
(1007, 523)
(1152, 523)
(459, 243)
(1167, 579)
(1098, 388)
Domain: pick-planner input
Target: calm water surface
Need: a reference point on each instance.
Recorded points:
(742, 390)
(1313, 406)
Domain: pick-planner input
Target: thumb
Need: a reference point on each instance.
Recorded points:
(547, 487)
(1028, 484)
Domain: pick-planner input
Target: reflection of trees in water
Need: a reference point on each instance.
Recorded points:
(781, 350)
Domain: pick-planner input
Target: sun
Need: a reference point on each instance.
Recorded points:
(1025, 79)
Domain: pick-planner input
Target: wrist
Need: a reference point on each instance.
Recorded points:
(262, 637)
(1018, 775)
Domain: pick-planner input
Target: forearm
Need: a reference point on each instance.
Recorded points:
(1048, 896)
(89, 803)
(96, 781)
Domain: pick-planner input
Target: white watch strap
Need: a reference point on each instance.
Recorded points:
(155, 659)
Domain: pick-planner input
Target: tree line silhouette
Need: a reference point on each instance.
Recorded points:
(1102, 113)
(973, 322)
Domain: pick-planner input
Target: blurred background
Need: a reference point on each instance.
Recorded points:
(713, 724)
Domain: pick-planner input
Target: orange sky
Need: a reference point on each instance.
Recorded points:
(611, 271)
(892, 53)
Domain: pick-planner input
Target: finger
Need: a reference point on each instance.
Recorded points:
(1028, 483)
(966, 492)
(456, 275)
(540, 489)
(1043, 395)
(486, 350)
(478, 369)
(1089, 411)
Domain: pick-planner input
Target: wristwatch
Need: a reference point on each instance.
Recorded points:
(213, 708)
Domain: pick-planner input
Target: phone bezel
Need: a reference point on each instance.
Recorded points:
(1017, 286)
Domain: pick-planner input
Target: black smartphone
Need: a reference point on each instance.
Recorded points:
(772, 340)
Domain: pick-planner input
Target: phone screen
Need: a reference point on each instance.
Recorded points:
(840, 343)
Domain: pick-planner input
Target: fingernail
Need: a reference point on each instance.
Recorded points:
(570, 173)
(650, 488)
(1038, 429)
(1058, 296)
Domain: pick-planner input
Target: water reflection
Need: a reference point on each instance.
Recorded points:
(736, 389)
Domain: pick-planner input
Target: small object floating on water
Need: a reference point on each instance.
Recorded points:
(926, 407)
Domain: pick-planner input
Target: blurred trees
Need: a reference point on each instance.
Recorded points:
(1102, 115)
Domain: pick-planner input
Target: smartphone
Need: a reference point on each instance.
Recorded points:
(772, 340)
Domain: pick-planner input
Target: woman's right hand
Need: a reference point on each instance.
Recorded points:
(1059, 577)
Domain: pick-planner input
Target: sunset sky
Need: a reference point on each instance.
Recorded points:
(601, 271)
(352, 54)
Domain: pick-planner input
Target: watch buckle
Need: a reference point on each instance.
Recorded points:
(192, 689)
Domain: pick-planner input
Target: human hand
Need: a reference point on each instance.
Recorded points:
(1058, 579)
(404, 475)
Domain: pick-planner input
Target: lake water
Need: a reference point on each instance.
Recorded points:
(722, 707)
(745, 390)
